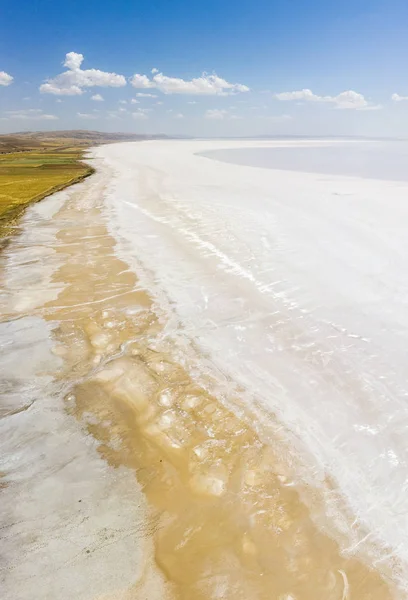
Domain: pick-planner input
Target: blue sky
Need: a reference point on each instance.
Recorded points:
(310, 67)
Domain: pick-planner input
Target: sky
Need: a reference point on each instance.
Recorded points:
(213, 68)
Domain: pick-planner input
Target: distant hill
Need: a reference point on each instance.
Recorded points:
(33, 140)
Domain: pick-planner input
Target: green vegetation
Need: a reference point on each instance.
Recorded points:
(34, 165)
(37, 140)
(28, 176)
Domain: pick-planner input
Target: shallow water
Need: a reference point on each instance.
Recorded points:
(159, 349)
(373, 160)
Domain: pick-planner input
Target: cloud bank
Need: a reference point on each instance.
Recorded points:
(215, 114)
(346, 100)
(87, 116)
(206, 85)
(145, 95)
(30, 114)
(73, 81)
(140, 114)
(398, 98)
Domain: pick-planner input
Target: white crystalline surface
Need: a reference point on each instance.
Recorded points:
(294, 284)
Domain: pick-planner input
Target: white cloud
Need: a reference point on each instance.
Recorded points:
(159, 103)
(30, 114)
(59, 100)
(346, 100)
(298, 95)
(398, 98)
(154, 71)
(350, 100)
(86, 116)
(5, 78)
(178, 116)
(73, 60)
(52, 87)
(97, 98)
(133, 101)
(372, 107)
(122, 101)
(73, 81)
(215, 114)
(192, 102)
(113, 114)
(144, 95)
(140, 115)
(141, 81)
(206, 85)
(280, 118)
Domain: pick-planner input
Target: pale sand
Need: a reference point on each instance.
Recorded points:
(70, 526)
(180, 497)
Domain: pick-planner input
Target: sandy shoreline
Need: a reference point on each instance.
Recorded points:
(70, 525)
(213, 497)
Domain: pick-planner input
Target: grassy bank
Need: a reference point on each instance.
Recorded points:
(35, 164)
(28, 176)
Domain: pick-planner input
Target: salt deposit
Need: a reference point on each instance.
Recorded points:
(214, 358)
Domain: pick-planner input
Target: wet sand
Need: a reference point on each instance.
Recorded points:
(183, 494)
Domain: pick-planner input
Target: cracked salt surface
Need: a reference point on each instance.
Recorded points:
(295, 285)
(265, 384)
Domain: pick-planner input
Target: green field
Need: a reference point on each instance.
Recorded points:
(38, 163)
(29, 176)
